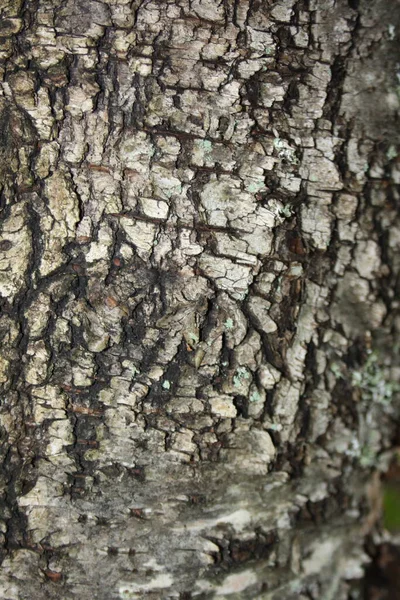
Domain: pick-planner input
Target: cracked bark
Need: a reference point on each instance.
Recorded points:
(199, 268)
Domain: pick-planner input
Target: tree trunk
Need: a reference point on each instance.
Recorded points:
(199, 267)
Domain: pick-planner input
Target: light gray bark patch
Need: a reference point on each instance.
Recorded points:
(199, 254)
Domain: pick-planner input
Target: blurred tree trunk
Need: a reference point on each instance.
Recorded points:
(199, 277)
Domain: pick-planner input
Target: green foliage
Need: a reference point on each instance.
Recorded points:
(391, 507)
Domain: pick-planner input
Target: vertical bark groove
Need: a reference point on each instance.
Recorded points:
(199, 266)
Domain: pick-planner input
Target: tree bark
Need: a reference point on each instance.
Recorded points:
(199, 267)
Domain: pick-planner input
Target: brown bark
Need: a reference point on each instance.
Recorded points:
(199, 269)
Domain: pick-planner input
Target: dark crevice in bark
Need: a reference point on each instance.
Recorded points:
(194, 373)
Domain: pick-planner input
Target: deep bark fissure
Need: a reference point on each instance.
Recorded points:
(198, 274)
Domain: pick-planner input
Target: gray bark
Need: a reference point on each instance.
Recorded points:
(199, 267)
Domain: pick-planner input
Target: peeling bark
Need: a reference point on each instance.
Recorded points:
(199, 274)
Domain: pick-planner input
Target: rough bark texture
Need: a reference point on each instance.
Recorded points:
(199, 260)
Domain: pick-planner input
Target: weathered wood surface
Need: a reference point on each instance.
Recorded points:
(199, 291)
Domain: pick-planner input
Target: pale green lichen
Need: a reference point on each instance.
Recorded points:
(370, 445)
(391, 153)
(166, 384)
(286, 211)
(228, 323)
(255, 397)
(241, 374)
(372, 381)
(285, 151)
(174, 190)
(275, 427)
(193, 337)
(367, 456)
(377, 393)
(255, 186)
(207, 145)
(336, 369)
